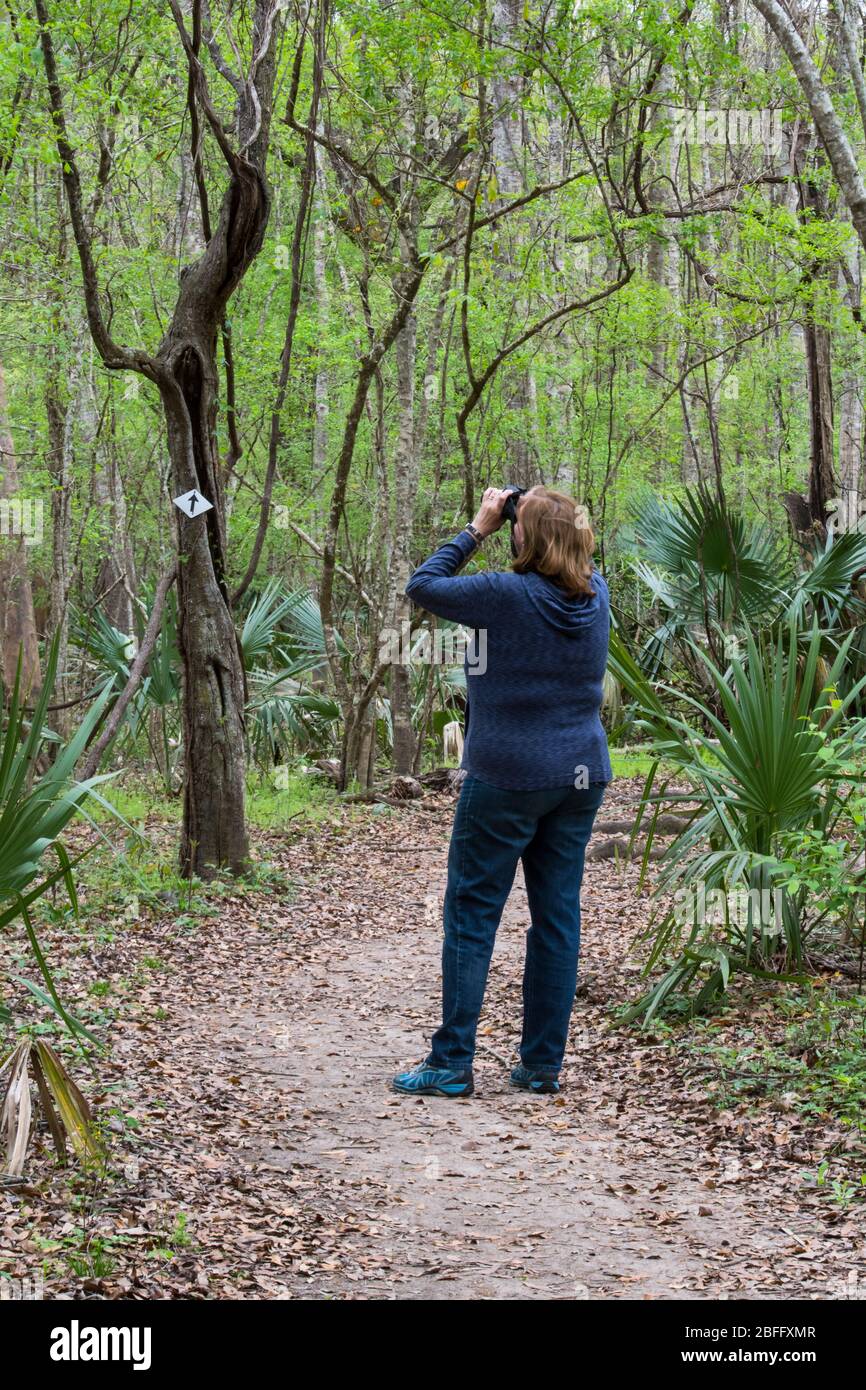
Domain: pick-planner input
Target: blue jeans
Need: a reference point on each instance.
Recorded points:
(493, 829)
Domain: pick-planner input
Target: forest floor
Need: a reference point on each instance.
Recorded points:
(257, 1151)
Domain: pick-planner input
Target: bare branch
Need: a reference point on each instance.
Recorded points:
(139, 666)
(190, 45)
(216, 52)
(113, 355)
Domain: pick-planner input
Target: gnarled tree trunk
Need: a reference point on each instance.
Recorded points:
(214, 831)
(184, 368)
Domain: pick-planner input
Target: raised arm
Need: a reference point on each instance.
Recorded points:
(436, 585)
(472, 599)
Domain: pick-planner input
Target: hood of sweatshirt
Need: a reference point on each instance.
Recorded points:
(564, 613)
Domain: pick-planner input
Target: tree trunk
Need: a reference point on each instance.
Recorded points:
(405, 488)
(17, 619)
(851, 420)
(850, 450)
(507, 149)
(184, 368)
(214, 686)
(822, 483)
(816, 341)
(659, 249)
(843, 160)
(60, 468)
(320, 279)
(214, 832)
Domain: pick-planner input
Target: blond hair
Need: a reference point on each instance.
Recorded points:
(557, 540)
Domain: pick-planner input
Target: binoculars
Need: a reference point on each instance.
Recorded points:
(509, 509)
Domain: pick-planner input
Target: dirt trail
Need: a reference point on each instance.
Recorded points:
(601, 1192)
(482, 1198)
(259, 1153)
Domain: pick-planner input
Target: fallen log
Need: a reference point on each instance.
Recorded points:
(665, 825)
(618, 848)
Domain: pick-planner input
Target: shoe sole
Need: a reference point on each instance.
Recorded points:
(449, 1094)
(537, 1088)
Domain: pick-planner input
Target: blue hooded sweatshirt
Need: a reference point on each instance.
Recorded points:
(533, 672)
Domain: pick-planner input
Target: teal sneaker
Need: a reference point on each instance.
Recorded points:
(427, 1080)
(542, 1083)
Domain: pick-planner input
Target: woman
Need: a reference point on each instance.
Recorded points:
(537, 765)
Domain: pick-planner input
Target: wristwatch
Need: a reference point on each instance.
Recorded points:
(474, 532)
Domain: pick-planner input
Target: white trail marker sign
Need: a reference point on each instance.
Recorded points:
(193, 504)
